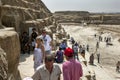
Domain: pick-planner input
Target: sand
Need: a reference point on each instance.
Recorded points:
(109, 54)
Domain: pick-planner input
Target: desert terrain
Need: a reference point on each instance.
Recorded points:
(109, 55)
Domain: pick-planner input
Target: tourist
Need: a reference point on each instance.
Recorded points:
(38, 53)
(87, 47)
(72, 69)
(59, 56)
(48, 71)
(91, 59)
(33, 37)
(95, 35)
(47, 41)
(75, 50)
(80, 48)
(100, 38)
(63, 45)
(118, 66)
(98, 57)
(25, 43)
(83, 51)
(97, 45)
(105, 39)
(72, 40)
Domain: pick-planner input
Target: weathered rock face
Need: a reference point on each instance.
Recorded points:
(3, 65)
(9, 42)
(0, 14)
(21, 15)
(90, 18)
(71, 16)
(15, 13)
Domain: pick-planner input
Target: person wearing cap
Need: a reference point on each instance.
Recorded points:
(47, 41)
(72, 69)
(48, 71)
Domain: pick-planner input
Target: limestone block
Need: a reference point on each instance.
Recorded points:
(60, 35)
(27, 24)
(58, 41)
(15, 13)
(1, 26)
(52, 28)
(86, 72)
(54, 45)
(9, 41)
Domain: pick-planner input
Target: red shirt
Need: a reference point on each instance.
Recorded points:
(72, 70)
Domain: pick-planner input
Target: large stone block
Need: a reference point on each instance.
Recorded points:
(1, 26)
(16, 12)
(9, 42)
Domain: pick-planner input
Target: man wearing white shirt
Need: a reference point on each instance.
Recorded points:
(48, 71)
(47, 42)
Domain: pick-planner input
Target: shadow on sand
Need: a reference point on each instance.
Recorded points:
(24, 56)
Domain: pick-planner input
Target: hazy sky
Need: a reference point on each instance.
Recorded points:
(83, 5)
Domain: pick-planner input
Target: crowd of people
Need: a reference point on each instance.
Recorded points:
(45, 62)
(79, 48)
(28, 42)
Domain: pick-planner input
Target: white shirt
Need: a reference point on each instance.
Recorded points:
(43, 74)
(47, 39)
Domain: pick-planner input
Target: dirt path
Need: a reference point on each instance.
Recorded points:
(26, 65)
(109, 55)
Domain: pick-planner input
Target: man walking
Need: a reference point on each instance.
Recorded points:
(47, 41)
(33, 37)
(49, 71)
(72, 69)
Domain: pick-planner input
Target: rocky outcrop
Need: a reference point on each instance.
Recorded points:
(15, 13)
(87, 17)
(71, 16)
(9, 42)
(20, 15)
(1, 26)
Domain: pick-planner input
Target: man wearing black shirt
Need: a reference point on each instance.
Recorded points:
(33, 37)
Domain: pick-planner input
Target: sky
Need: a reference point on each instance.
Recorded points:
(83, 5)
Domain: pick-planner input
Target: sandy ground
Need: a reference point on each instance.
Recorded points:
(109, 54)
(26, 65)
(84, 35)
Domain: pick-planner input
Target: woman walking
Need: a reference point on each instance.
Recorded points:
(38, 53)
